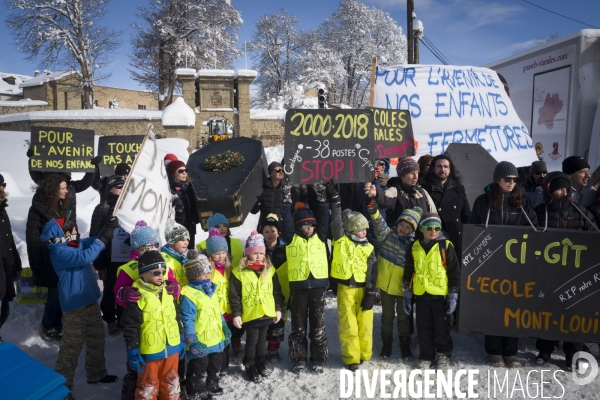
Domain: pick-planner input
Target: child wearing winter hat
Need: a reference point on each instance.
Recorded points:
(152, 329)
(269, 228)
(352, 268)
(256, 302)
(205, 339)
(220, 223)
(308, 275)
(175, 250)
(432, 274)
(394, 245)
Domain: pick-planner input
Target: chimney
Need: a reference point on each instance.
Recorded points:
(36, 72)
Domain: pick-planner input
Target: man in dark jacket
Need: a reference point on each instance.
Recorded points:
(558, 211)
(443, 183)
(532, 187)
(269, 201)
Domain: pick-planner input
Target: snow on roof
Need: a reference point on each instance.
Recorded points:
(267, 114)
(178, 114)
(95, 114)
(12, 89)
(341, 106)
(215, 72)
(22, 103)
(185, 72)
(246, 72)
(46, 77)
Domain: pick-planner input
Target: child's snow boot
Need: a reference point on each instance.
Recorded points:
(405, 348)
(497, 361)
(273, 351)
(542, 358)
(263, 367)
(105, 379)
(512, 362)
(443, 361)
(423, 364)
(251, 370)
(386, 350)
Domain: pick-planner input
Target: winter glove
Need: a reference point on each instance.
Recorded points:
(277, 317)
(181, 351)
(332, 193)
(177, 203)
(237, 322)
(190, 339)
(198, 349)
(112, 223)
(17, 276)
(107, 232)
(96, 160)
(320, 189)
(135, 360)
(129, 294)
(173, 288)
(383, 179)
(371, 205)
(407, 301)
(286, 191)
(368, 301)
(226, 332)
(451, 302)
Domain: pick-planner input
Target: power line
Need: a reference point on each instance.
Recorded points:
(560, 15)
(434, 50)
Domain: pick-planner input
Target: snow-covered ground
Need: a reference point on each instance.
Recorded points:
(23, 325)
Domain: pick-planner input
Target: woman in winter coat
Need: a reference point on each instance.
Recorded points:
(10, 270)
(51, 200)
(186, 211)
(503, 204)
(269, 201)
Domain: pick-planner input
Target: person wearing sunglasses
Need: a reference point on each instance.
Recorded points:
(532, 187)
(152, 330)
(186, 209)
(432, 276)
(269, 201)
(503, 204)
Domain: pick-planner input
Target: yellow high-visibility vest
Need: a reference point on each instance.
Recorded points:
(209, 328)
(305, 257)
(430, 274)
(350, 259)
(257, 294)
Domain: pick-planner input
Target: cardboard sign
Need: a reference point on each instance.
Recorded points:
(116, 150)
(146, 194)
(119, 249)
(329, 144)
(518, 282)
(456, 104)
(392, 133)
(62, 149)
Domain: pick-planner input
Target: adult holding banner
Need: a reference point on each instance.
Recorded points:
(503, 204)
(558, 211)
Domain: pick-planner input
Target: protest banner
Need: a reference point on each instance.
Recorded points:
(146, 194)
(61, 149)
(116, 150)
(522, 283)
(392, 133)
(455, 104)
(320, 145)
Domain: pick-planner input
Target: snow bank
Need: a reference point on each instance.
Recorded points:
(46, 77)
(178, 114)
(23, 103)
(267, 114)
(95, 114)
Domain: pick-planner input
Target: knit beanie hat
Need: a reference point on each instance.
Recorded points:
(303, 216)
(196, 265)
(255, 244)
(503, 169)
(216, 219)
(538, 166)
(406, 165)
(170, 157)
(560, 182)
(354, 221)
(572, 164)
(215, 242)
(142, 235)
(274, 165)
(175, 232)
(269, 220)
(431, 219)
(122, 169)
(412, 216)
(115, 181)
(150, 260)
(173, 166)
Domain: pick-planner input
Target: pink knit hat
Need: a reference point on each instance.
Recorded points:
(255, 244)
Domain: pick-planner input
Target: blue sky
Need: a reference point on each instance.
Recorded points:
(467, 32)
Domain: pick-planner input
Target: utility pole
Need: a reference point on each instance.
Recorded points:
(410, 6)
(418, 33)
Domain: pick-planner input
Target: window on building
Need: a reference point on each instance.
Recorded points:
(110, 104)
(141, 106)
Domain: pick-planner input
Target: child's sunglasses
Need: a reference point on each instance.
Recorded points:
(430, 228)
(159, 272)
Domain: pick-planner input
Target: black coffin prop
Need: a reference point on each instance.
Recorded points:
(475, 165)
(232, 193)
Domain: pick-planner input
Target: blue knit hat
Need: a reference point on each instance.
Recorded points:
(303, 216)
(142, 235)
(215, 242)
(217, 219)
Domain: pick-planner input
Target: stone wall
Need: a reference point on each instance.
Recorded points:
(100, 127)
(125, 98)
(269, 131)
(18, 108)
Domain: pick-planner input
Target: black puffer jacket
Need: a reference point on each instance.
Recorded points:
(186, 215)
(507, 215)
(37, 252)
(269, 201)
(11, 262)
(561, 212)
(101, 213)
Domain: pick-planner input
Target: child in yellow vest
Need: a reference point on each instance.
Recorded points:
(206, 333)
(175, 251)
(256, 302)
(218, 256)
(236, 247)
(432, 274)
(152, 329)
(352, 266)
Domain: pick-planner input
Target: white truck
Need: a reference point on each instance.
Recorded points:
(555, 89)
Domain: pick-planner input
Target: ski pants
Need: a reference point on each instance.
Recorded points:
(355, 326)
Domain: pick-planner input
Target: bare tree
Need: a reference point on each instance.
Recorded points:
(178, 33)
(65, 33)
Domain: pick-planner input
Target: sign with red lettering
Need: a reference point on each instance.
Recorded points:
(392, 133)
(61, 149)
(329, 144)
(522, 283)
(116, 150)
